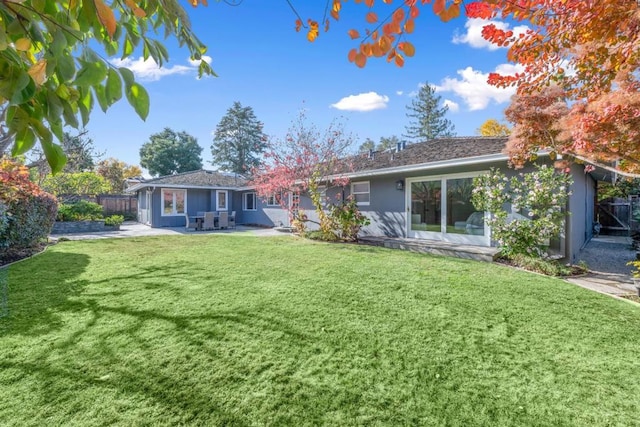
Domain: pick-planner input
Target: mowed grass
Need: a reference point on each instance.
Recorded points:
(240, 330)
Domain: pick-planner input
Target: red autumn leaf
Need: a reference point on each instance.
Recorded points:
(371, 17)
(354, 34)
(352, 55)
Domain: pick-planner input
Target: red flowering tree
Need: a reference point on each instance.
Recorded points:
(27, 212)
(300, 163)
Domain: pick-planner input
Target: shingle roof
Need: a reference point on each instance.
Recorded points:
(199, 178)
(436, 150)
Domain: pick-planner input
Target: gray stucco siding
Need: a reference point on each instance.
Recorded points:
(270, 216)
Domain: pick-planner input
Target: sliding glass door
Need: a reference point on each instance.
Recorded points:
(440, 208)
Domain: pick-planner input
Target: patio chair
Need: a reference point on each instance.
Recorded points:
(232, 219)
(223, 220)
(209, 221)
(189, 224)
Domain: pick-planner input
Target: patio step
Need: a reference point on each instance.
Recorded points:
(435, 247)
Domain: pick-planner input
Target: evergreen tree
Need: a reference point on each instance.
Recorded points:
(427, 118)
(238, 140)
(170, 152)
(367, 145)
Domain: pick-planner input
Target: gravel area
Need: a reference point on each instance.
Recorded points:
(608, 256)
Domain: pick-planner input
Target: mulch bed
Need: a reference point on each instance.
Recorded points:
(16, 255)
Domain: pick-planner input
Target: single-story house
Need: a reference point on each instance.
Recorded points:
(420, 191)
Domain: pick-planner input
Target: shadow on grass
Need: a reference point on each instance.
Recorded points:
(128, 362)
(37, 288)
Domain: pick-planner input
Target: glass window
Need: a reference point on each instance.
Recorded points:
(249, 201)
(174, 202)
(360, 191)
(462, 217)
(425, 206)
(221, 200)
(274, 199)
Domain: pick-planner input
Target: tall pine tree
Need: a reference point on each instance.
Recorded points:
(238, 140)
(427, 118)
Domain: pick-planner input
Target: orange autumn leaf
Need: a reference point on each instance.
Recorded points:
(352, 55)
(453, 11)
(371, 18)
(135, 9)
(369, 3)
(438, 6)
(398, 15)
(409, 26)
(399, 60)
(377, 51)
(354, 34)
(335, 15)
(392, 55)
(360, 60)
(298, 25)
(407, 48)
(106, 17)
(313, 32)
(414, 12)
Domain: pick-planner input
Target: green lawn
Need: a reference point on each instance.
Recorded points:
(240, 330)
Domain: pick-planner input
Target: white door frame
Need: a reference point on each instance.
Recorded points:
(484, 240)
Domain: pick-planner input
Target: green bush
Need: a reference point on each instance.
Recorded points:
(114, 220)
(347, 220)
(540, 265)
(27, 213)
(80, 211)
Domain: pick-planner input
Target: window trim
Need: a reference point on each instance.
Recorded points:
(173, 191)
(226, 200)
(275, 201)
(244, 201)
(353, 193)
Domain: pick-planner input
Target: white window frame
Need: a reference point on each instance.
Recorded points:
(226, 200)
(173, 201)
(244, 201)
(272, 200)
(368, 192)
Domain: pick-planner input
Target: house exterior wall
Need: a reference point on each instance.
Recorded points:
(270, 216)
(198, 200)
(387, 208)
(581, 206)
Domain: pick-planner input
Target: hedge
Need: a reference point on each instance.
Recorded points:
(27, 213)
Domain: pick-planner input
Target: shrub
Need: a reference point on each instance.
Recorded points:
(80, 211)
(114, 220)
(27, 213)
(540, 196)
(347, 220)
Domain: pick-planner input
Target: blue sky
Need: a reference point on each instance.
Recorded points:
(263, 63)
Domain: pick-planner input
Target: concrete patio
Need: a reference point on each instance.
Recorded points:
(135, 229)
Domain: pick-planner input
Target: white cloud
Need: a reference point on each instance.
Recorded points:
(453, 106)
(473, 35)
(473, 88)
(399, 92)
(362, 102)
(196, 63)
(150, 71)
